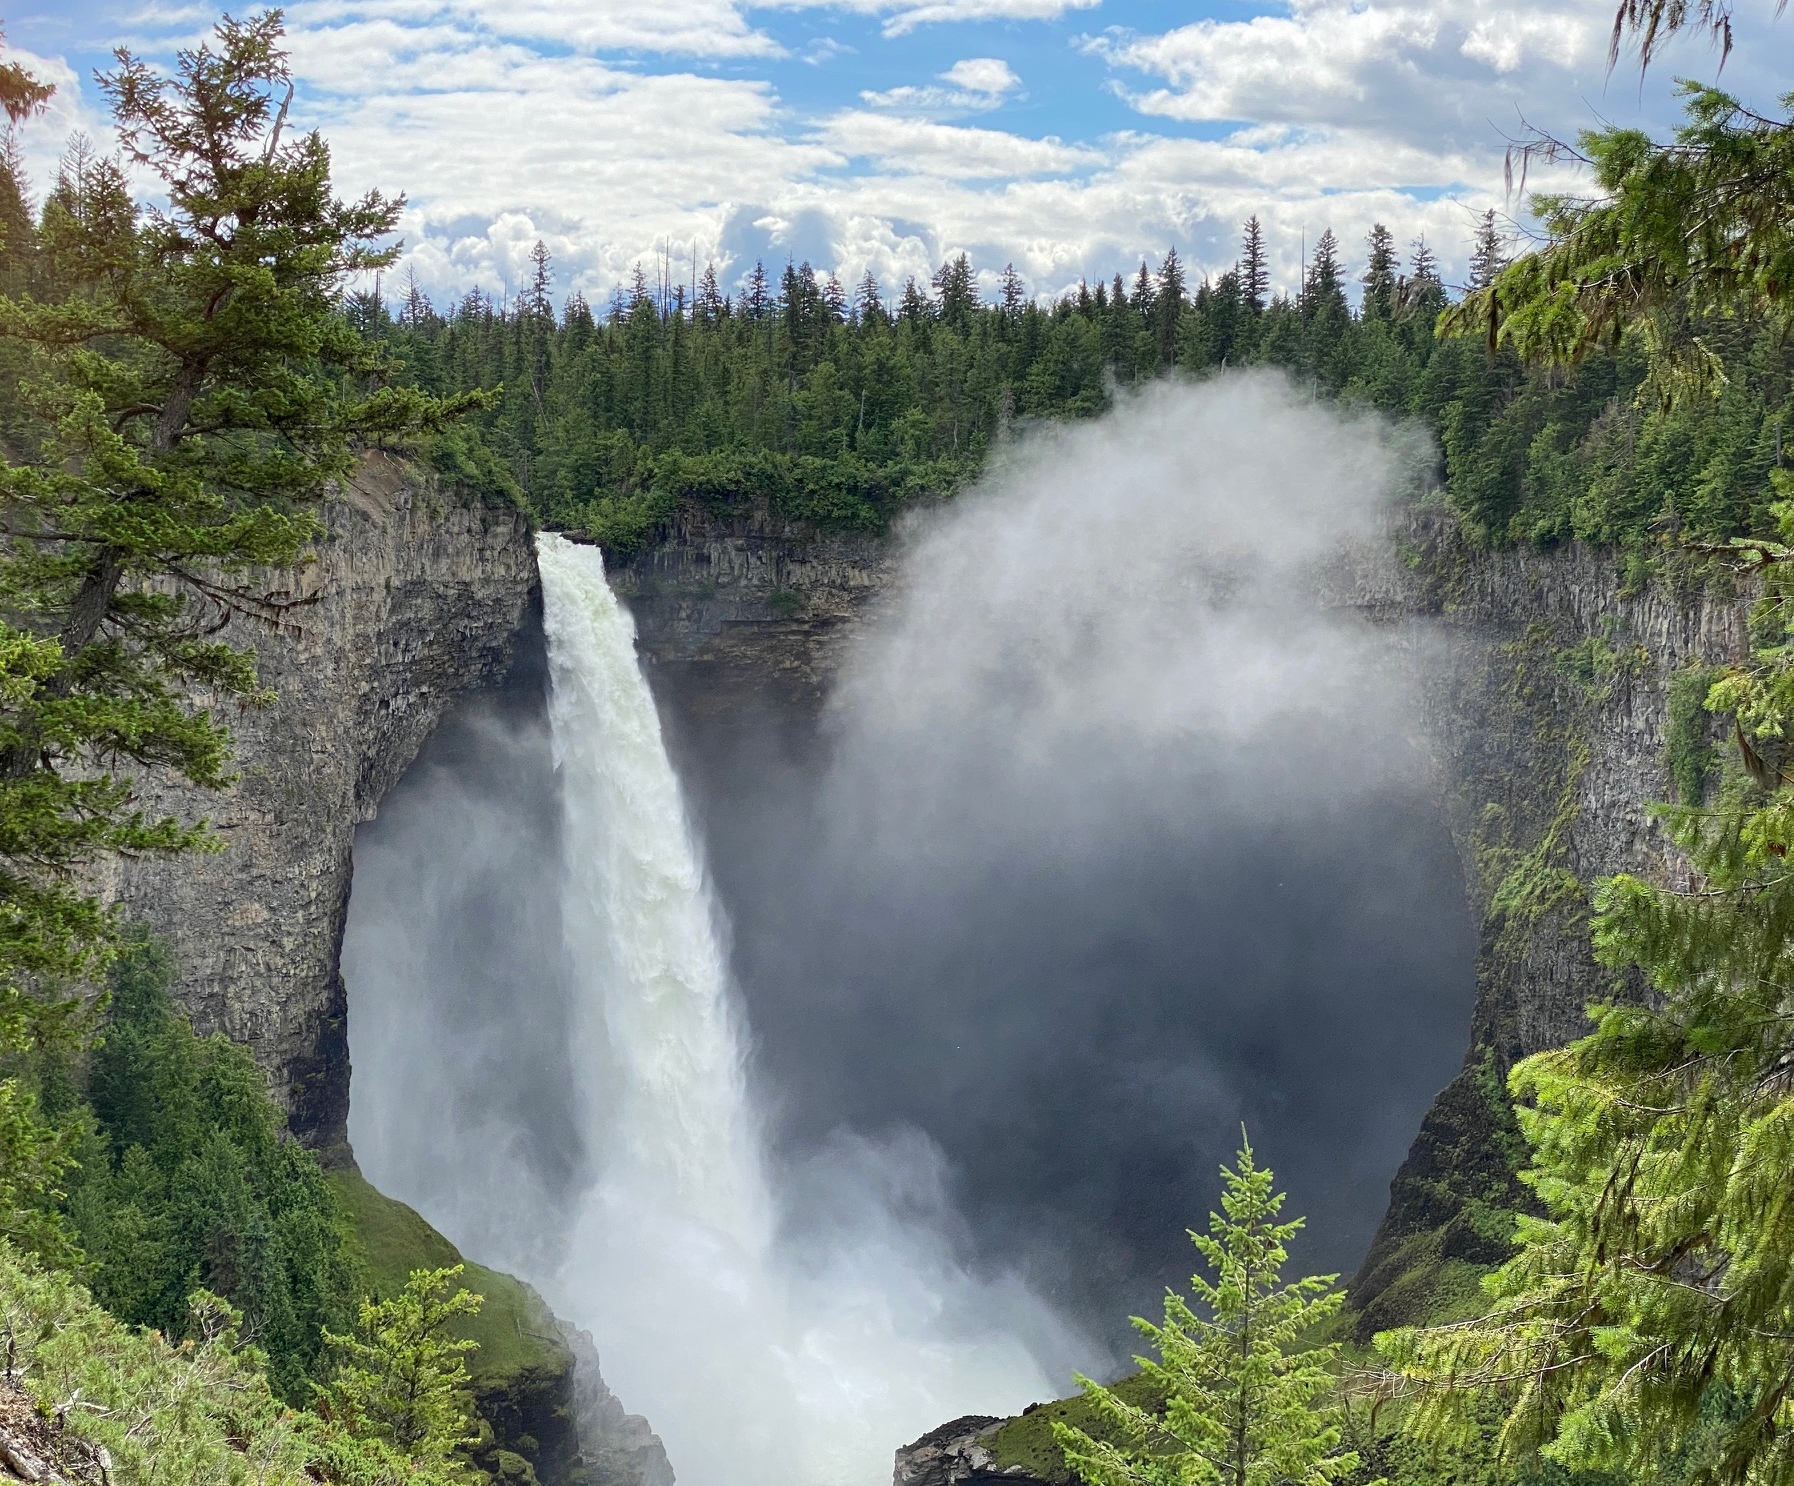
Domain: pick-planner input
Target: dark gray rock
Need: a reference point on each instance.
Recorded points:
(618, 1448)
(419, 592)
(954, 1454)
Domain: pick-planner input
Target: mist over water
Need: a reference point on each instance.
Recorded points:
(1110, 838)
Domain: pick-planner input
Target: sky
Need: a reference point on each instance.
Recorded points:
(1071, 138)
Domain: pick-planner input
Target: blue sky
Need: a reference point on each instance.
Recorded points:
(1070, 137)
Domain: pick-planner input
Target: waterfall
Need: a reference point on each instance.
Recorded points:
(765, 1352)
(639, 922)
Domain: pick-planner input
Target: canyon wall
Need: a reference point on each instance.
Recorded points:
(415, 599)
(1547, 681)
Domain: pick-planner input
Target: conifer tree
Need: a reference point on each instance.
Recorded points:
(1169, 304)
(1323, 289)
(868, 304)
(1255, 272)
(403, 1380)
(1143, 297)
(758, 299)
(193, 392)
(21, 94)
(956, 291)
(1246, 1397)
(834, 299)
(536, 299)
(1423, 266)
(708, 305)
(914, 307)
(1488, 254)
(1014, 295)
(1379, 273)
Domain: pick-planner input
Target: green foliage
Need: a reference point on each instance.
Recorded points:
(1645, 1324)
(1688, 752)
(403, 1379)
(176, 390)
(194, 1413)
(809, 408)
(514, 1329)
(187, 1179)
(1245, 1401)
(1675, 243)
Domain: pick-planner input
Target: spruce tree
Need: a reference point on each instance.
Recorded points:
(1379, 273)
(1014, 295)
(1169, 305)
(1488, 254)
(193, 392)
(1323, 288)
(403, 1379)
(956, 291)
(758, 299)
(1254, 270)
(868, 304)
(914, 307)
(1247, 1398)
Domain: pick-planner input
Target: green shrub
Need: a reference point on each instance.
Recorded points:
(187, 1179)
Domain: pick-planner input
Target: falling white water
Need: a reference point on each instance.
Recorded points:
(763, 1355)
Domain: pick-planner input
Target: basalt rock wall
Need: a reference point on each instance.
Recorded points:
(415, 599)
(1546, 679)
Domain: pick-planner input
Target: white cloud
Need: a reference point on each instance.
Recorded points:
(1434, 72)
(902, 16)
(505, 122)
(977, 84)
(696, 28)
(990, 75)
(950, 152)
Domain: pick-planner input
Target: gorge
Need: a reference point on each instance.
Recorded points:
(1514, 701)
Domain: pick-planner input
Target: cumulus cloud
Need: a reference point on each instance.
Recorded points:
(902, 16)
(682, 130)
(699, 28)
(974, 85)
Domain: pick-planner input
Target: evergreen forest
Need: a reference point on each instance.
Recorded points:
(806, 402)
(188, 1295)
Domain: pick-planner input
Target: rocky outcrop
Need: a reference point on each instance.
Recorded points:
(955, 1454)
(414, 600)
(749, 612)
(617, 1448)
(1548, 676)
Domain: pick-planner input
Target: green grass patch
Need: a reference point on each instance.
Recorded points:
(1027, 1440)
(515, 1329)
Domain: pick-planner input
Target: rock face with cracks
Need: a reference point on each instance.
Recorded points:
(414, 601)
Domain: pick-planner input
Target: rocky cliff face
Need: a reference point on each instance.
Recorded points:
(416, 598)
(1547, 694)
(748, 613)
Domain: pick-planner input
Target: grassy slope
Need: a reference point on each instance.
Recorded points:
(515, 1328)
(1027, 1439)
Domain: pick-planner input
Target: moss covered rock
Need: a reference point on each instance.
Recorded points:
(523, 1372)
